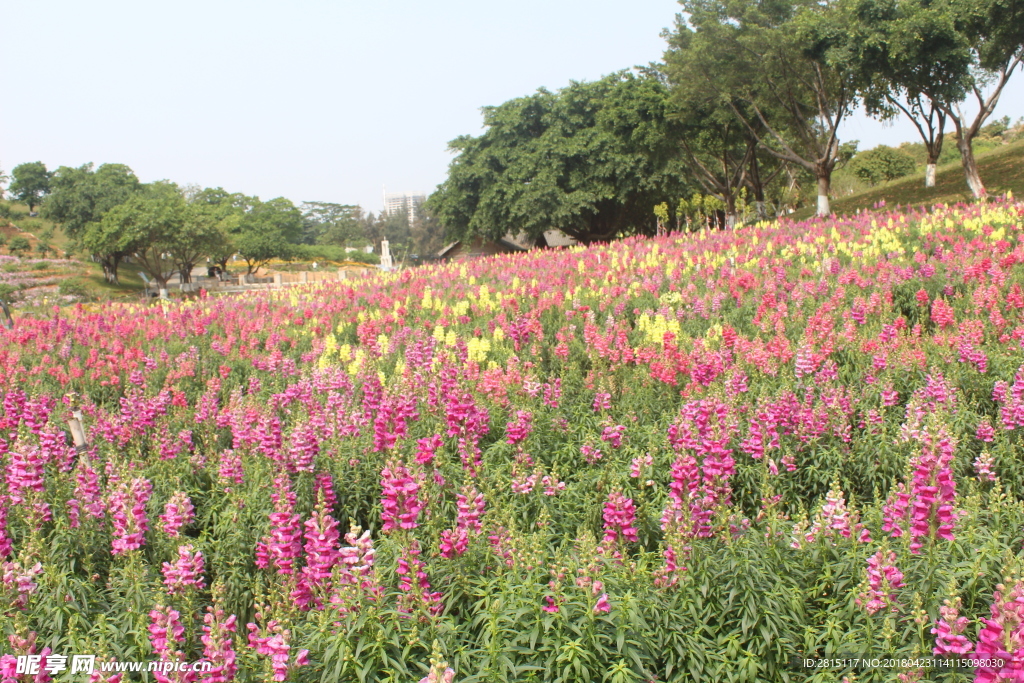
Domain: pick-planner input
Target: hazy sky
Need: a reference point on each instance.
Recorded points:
(325, 100)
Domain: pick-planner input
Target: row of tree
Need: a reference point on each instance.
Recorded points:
(109, 214)
(748, 101)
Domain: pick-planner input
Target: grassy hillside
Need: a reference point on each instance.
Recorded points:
(32, 279)
(1002, 169)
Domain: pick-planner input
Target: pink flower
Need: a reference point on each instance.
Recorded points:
(602, 606)
(520, 428)
(619, 517)
(218, 647)
(613, 435)
(983, 465)
(942, 313)
(321, 555)
(400, 503)
(177, 513)
(5, 541)
(934, 490)
(985, 431)
(413, 580)
(882, 578)
(20, 581)
(283, 545)
(639, 464)
(427, 448)
(1002, 636)
(186, 571)
(590, 453)
(127, 508)
(275, 645)
(165, 634)
(949, 628)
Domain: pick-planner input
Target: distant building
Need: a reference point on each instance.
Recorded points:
(409, 202)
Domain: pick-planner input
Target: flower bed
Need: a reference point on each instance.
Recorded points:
(688, 458)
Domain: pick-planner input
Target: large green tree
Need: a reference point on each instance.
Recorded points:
(31, 182)
(148, 225)
(267, 231)
(79, 196)
(210, 216)
(914, 59)
(994, 33)
(592, 160)
(772, 64)
(329, 223)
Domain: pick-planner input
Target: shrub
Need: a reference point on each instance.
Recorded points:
(7, 291)
(19, 245)
(73, 287)
(882, 164)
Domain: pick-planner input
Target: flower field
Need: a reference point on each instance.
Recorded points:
(690, 458)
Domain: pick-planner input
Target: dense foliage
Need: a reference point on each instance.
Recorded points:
(591, 160)
(686, 458)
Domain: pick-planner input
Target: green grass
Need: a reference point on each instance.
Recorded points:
(1002, 170)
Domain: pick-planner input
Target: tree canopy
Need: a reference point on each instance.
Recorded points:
(30, 183)
(79, 196)
(590, 160)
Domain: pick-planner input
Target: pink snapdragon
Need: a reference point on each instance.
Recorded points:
(283, 545)
(591, 453)
(949, 629)
(165, 634)
(413, 580)
(19, 581)
(619, 517)
(87, 490)
(218, 646)
(356, 578)
(983, 465)
(273, 643)
(612, 435)
(177, 513)
(400, 503)
(834, 518)
(186, 571)
(321, 548)
(127, 508)
(25, 474)
(1002, 636)
(427, 448)
(6, 544)
(933, 491)
(520, 428)
(883, 578)
(324, 484)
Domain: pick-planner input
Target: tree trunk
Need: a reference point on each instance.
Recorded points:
(730, 212)
(824, 183)
(934, 147)
(110, 264)
(758, 187)
(970, 167)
